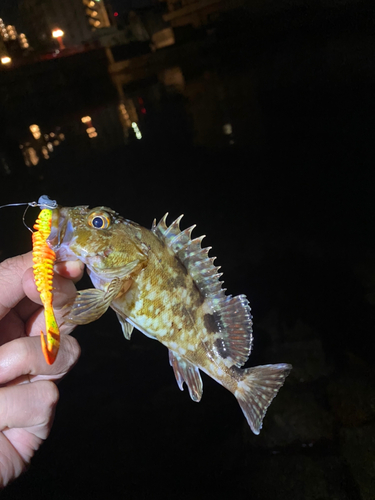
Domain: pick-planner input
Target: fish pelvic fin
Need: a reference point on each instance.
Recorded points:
(256, 390)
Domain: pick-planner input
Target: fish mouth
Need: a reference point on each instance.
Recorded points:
(61, 235)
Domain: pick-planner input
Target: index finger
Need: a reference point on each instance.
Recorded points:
(11, 289)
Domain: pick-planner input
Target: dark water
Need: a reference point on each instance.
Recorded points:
(263, 134)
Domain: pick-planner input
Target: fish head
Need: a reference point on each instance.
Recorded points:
(99, 237)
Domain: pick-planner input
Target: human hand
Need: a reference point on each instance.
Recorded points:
(28, 396)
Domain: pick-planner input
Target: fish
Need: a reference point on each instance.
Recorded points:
(162, 282)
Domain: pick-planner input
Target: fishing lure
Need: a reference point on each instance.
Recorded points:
(44, 258)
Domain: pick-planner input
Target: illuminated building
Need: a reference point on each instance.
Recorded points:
(11, 43)
(4, 55)
(97, 14)
(3, 31)
(41, 17)
(78, 19)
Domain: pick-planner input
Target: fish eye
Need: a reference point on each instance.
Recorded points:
(99, 220)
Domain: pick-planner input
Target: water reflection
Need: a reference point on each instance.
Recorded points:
(40, 145)
(167, 109)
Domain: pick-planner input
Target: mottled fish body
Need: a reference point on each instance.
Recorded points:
(163, 282)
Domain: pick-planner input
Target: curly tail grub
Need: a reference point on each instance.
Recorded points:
(44, 259)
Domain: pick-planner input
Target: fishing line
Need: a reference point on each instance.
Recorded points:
(43, 202)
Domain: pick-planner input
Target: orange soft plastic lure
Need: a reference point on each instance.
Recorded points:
(44, 259)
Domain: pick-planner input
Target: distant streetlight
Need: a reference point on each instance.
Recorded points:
(58, 34)
(6, 60)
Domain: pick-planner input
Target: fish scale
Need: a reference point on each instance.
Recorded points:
(163, 282)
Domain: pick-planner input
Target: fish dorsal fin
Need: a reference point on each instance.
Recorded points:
(232, 317)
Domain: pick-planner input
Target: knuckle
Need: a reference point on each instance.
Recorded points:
(49, 393)
(24, 349)
(13, 265)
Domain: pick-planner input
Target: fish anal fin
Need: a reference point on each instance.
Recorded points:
(127, 328)
(256, 390)
(186, 372)
(89, 305)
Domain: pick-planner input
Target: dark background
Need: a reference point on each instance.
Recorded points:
(287, 202)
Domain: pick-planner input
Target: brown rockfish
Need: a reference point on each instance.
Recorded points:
(162, 282)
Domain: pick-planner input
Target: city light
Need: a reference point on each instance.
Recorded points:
(11, 32)
(6, 60)
(57, 33)
(23, 41)
(86, 119)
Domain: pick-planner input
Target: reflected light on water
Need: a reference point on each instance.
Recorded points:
(227, 129)
(30, 156)
(125, 114)
(35, 130)
(91, 131)
(42, 147)
(136, 131)
(45, 153)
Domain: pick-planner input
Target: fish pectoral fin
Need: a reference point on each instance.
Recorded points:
(127, 328)
(187, 372)
(92, 303)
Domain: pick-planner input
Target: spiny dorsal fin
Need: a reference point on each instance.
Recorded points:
(231, 314)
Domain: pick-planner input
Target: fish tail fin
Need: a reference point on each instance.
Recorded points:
(256, 390)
